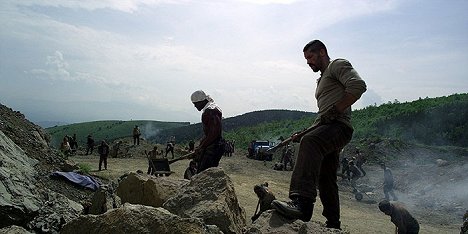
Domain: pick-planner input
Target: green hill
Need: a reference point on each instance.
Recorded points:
(430, 121)
(440, 121)
(240, 128)
(108, 129)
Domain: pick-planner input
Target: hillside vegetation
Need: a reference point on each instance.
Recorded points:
(440, 121)
(430, 121)
(109, 130)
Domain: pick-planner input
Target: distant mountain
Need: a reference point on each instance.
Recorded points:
(48, 124)
(251, 119)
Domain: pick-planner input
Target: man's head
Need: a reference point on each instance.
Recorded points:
(386, 207)
(382, 165)
(316, 55)
(199, 99)
(261, 189)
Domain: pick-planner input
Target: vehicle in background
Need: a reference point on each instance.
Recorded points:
(258, 150)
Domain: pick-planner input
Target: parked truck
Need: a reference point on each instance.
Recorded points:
(258, 150)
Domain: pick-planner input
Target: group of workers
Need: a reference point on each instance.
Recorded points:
(338, 87)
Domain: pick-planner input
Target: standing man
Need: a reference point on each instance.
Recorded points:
(404, 222)
(191, 146)
(170, 148)
(89, 144)
(353, 173)
(360, 160)
(344, 168)
(136, 135)
(388, 183)
(103, 151)
(211, 147)
(338, 87)
(287, 158)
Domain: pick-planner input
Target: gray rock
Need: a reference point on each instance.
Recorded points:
(271, 222)
(54, 213)
(104, 199)
(147, 190)
(14, 230)
(18, 202)
(137, 219)
(210, 196)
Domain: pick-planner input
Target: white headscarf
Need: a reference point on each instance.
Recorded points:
(199, 96)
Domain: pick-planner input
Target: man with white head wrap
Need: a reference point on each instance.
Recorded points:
(211, 147)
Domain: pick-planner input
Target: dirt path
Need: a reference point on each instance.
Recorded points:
(357, 217)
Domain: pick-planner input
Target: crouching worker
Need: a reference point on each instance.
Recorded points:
(404, 222)
(152, 155)
(191, 170)
(265, 197)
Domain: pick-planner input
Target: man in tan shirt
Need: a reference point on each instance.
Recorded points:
(338, 87)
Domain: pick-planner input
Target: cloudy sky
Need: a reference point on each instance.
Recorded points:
(85, 60)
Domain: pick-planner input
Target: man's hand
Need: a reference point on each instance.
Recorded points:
(296, 138)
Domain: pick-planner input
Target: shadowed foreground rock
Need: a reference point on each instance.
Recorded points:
(147, 190)
(137, 219)
(271, 222)
(24, 204)
(14, 230)
(18, 200)
(104, 199)
(210, 196)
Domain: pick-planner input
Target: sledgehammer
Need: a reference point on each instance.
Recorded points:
(297, 135)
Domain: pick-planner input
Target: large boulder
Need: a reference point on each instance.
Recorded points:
(104, 199)
(210, 196)
(24, 204)
(271, 222)
(147, 190)
(137, 219)
(14, 230)
(18, 202)
(54, 213)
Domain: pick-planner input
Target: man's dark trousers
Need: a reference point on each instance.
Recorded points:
(316, 166)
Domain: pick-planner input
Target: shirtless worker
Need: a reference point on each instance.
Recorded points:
(404, 222)
(265, 197)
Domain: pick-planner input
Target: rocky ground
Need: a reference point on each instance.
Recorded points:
(357, 216)
(432, 183)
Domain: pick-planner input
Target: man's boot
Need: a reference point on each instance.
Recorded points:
(333, 224)
(298, 208)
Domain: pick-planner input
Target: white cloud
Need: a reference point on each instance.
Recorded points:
(247, 54)
(128, 6)
(266, 2)
(57, 68)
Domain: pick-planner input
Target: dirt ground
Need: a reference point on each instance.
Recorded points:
(356, 216)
